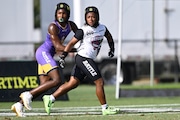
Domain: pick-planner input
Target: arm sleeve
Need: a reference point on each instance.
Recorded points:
(110, 40)
(79, 34)
(111, 45)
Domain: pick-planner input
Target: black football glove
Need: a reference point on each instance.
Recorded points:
(61, 60)
(111, 53)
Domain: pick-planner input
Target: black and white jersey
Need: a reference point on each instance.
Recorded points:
(92, 40)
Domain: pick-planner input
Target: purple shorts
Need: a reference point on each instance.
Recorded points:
(45, 61)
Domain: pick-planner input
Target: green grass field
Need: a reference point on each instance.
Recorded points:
(83, 105)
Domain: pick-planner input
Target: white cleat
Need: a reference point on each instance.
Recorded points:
(18, 109)
(26, 98)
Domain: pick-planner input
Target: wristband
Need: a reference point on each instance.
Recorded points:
(64, 54)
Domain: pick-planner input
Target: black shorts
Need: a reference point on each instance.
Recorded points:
(85, 67)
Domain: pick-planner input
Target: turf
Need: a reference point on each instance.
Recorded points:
(84, 96)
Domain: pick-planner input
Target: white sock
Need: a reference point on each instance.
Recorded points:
(52, 98)
(29, 94)
(104, 106)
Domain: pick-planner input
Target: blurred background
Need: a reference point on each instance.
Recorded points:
(24, 26)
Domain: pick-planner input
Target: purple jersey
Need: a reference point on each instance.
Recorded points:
(45, 53)
(48, 45)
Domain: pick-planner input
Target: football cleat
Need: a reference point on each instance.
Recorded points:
(47, 103)
(18, 109)
(26, 98)
(110, 111)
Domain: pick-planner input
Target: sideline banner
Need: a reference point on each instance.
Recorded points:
(20, 76)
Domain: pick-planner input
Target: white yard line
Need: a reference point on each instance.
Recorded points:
(128, 109)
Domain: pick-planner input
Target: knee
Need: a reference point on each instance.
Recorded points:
(56, 81)
(44, 79)
(42, 82)
(99, 82)
(73, 83)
